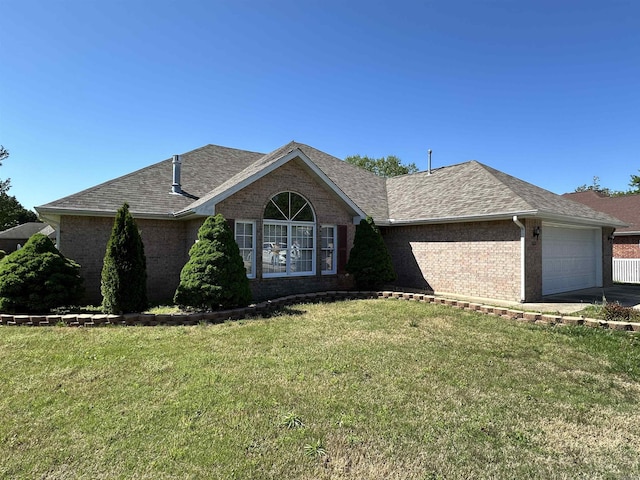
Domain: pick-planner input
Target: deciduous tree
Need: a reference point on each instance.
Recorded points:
(389, 166)
(12, 213)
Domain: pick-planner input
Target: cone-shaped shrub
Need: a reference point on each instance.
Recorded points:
(38, 277)
(369, 260)
(214, 277)
(124, 272)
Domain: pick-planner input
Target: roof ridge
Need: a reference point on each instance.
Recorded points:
(492, 171)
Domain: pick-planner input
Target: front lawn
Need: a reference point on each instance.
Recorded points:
(368, 389)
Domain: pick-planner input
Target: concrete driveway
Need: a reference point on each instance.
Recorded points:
(569, 302)
(626, 295)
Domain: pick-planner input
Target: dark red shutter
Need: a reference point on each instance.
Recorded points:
(342, 248)
(232, 225)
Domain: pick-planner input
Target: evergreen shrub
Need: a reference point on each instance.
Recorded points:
(369, 260)
(38, 278)
(124, 272)
(215, 276)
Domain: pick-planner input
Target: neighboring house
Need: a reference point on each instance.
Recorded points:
(465, 229)
(626, 240)
(16, 236)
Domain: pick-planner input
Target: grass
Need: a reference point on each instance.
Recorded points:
(610, 311)
(362, 389)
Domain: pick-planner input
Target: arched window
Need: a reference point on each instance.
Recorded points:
(288, 236)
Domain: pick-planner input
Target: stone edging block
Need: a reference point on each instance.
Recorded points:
(269, 306)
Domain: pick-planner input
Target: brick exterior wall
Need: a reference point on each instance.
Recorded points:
(167, 242)
(249, 204)
(480, 259)
(627, 246)
(533, 259)
(84, 239)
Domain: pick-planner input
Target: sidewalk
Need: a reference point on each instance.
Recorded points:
(568, 302)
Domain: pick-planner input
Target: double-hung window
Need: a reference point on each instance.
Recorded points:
(288, 236)
(245, 238)
(328, 257)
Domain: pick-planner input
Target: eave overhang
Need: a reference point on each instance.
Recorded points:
(544, 216)
(46, 212)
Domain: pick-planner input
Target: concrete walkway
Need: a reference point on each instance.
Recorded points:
(571, 302)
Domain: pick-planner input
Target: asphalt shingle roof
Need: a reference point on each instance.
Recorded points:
(471, 189)
(148, 191)
(626, 208)
(26, 230)
(466, 190)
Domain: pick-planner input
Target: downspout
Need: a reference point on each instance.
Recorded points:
(522, 257)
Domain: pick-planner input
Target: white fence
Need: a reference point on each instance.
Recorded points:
(626, 270)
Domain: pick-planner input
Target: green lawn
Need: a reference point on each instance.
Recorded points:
(370, 389)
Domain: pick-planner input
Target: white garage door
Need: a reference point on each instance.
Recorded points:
(571, 259)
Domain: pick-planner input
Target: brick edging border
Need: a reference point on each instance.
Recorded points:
(270, 306)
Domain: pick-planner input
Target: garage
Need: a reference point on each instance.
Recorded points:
(571, 258)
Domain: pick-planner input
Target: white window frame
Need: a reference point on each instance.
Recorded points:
(253, 244)
(290, 223)
(333, 249)
(289, 272)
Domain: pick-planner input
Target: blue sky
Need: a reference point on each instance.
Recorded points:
(546, 91)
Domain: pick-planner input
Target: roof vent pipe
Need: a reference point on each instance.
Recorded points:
(429, 152)
(175, 186)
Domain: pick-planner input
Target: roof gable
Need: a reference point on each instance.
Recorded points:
(261, 167)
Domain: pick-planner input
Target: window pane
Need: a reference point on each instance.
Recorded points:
(274, 248)
(272, 212)
(327, 239)
(327, 261)
(244, 239)
(302, 236)
(247, 257)
(301, 260)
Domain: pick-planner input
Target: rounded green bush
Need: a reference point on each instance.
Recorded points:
(215, 276)
(38, 278)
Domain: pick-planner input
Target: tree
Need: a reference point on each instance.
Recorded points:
(215, 276)
(38, 277)
(596, 187)
(4, 184)
(634, 184)
(124, 272)
(369, 260)
(11, 212)
(389, 166)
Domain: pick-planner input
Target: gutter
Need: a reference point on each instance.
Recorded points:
(45, 212)
(522, 258)
(544, 216)
(460, 219)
